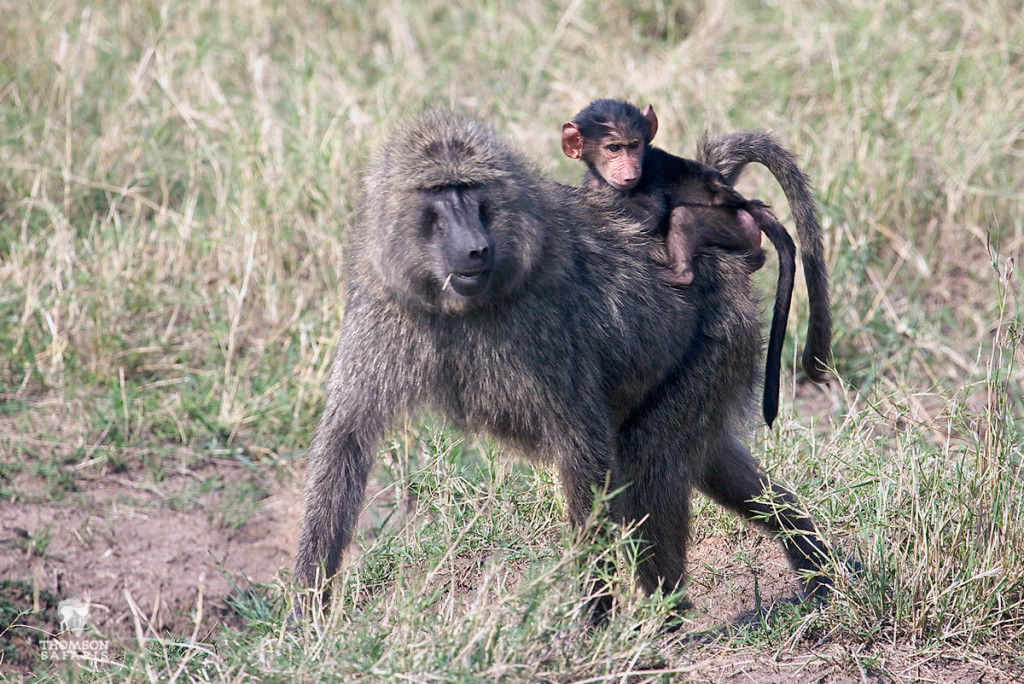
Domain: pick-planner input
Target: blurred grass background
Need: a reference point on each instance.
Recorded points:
(177, 180)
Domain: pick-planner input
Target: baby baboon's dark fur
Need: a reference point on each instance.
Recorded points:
(531, 311)
(693, 203)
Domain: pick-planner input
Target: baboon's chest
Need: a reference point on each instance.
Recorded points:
(512, 393)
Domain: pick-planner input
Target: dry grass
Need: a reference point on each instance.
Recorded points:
(176, 182)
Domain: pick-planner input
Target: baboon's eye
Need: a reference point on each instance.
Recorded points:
(634, 144)
(614, 148)
(435, 189)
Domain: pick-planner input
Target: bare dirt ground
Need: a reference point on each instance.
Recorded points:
(117, 536)
(157, 554)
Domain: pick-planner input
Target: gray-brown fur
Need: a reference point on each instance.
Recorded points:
(573, 352)
(730, 154)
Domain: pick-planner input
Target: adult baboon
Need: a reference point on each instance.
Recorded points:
(530, 311)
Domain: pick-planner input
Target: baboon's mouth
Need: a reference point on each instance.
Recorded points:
(623, 186)
(470, 283)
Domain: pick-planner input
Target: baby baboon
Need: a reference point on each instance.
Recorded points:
(533, 312)
(693, 205)
(613, 138)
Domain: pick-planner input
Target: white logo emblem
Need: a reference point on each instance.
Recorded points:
(74, 615)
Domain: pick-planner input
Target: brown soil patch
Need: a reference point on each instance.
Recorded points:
(117, 536)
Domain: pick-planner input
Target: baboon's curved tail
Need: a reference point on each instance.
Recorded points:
(730, 154)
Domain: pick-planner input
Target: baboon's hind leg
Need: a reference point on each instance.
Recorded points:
(733, 479)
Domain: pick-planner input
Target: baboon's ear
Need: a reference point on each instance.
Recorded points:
(572, 140)
(652, 122)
